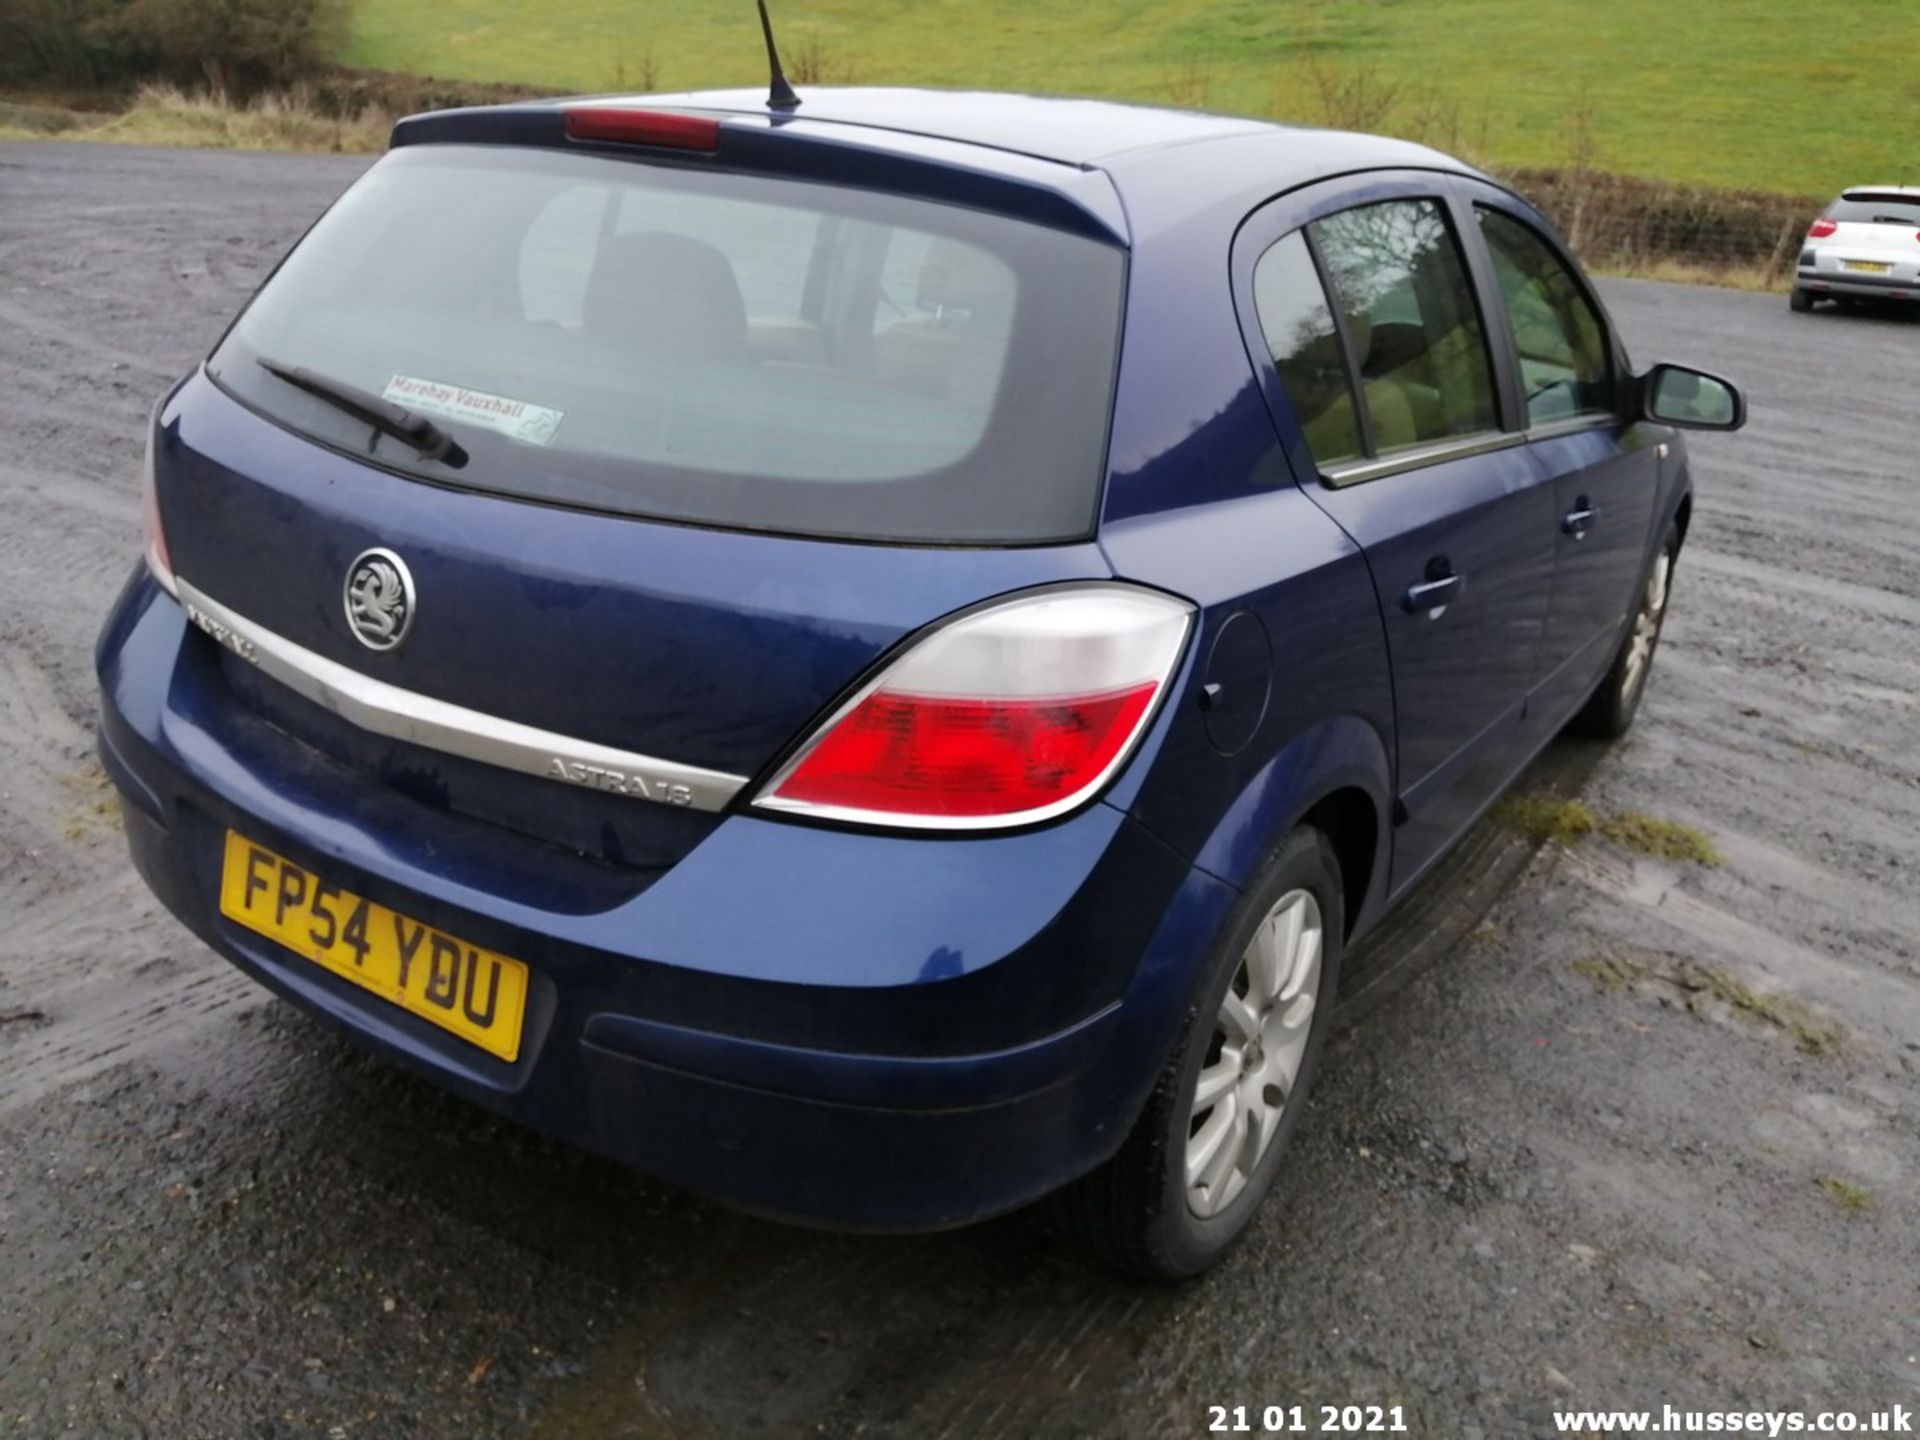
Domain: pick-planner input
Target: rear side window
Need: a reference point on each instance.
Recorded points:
(704, 346)
(1566, 367)
(1306, 349)
(1865, 208)
(1408, 308)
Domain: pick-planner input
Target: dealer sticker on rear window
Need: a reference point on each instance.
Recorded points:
(515, 419)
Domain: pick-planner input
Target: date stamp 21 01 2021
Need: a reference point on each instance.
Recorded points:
(1306, 1420)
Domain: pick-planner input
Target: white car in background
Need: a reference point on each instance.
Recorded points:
(1865, 247)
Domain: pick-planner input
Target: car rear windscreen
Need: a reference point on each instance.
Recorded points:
(692, 344)
(1869, 209)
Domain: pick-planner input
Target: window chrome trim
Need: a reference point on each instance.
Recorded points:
(1355, 472)
(1575, 425)
(417, 719)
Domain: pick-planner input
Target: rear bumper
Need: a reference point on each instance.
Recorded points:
(864, 1030)
(1878, 287)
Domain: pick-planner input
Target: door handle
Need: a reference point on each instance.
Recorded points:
(1434, 595)
(1576, 520)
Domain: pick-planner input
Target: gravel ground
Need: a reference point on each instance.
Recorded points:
(1602, 1129)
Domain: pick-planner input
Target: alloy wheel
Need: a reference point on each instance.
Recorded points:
(1253, 1058)
(1646, 624)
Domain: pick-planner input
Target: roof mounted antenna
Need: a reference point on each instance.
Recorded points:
(780, 94)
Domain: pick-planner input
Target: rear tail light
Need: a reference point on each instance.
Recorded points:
(158, 560)
(1009, 715)
(1820, 229)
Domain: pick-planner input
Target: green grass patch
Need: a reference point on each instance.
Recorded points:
(1611, 972)
(1681, 272)
(1727, 94)
(1845, 1194)
(1662, 839)
(32, 121)
(1566, 822)
(1810, 1031)
(1700, 989)
(1545, 818)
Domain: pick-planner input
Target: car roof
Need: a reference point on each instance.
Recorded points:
(1095, 157)
(1091, 134)
(1854, 192)
(1068, 131)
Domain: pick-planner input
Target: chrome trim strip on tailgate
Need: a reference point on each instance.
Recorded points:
(398, 714)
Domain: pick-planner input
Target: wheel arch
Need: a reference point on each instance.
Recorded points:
(1336, 777)
(1349, 820)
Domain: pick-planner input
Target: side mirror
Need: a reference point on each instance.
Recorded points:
(1691, 399)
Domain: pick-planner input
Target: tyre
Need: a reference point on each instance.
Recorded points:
(1205, 1150)
(1800, 300)
(1609, 711)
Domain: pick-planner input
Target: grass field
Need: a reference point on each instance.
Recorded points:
(1798, 96)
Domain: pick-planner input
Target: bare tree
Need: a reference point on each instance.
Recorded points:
(1190, 85)
(1350, 97)
(816, 62)
(643, 78)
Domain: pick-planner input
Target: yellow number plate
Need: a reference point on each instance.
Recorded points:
(470, 992)
(1870, 267)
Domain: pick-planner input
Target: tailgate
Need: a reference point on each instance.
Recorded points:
(694, 647)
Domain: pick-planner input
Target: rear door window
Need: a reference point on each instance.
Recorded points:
(1411, 320)
(1566, 364)
(699, 345)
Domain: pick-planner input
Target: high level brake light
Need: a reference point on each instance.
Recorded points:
(1009, 715)
(627, 126)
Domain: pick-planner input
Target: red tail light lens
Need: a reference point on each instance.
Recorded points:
(933, 756)
(1007, 716)
(643, 127)
(158, 560)
(1820, 229)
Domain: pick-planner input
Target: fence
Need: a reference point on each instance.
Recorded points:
(1619, 222)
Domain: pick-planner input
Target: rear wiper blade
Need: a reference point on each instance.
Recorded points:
(402, 424)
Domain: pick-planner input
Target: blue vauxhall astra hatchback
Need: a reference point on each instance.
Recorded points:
(872, 659)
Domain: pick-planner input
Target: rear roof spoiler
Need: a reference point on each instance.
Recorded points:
(1081, 200)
